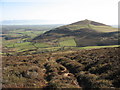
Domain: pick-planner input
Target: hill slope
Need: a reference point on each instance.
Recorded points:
(96, 68)
(84, 33)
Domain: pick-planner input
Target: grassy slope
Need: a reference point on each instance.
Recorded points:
(103, 28)
(97, 28)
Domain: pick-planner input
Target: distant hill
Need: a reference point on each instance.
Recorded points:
(26, 22)
(99, 27)
(84, 33)
(115, 26)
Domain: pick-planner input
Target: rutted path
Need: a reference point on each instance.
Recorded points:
(59, 77)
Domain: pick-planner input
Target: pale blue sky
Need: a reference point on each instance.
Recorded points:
(61, 11)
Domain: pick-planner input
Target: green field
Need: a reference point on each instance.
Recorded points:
(93, 47)
(69, 42)
(41, 45)
(22, 32)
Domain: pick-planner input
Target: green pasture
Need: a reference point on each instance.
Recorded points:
(69, 42)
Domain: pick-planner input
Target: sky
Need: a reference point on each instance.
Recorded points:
(60, 11)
